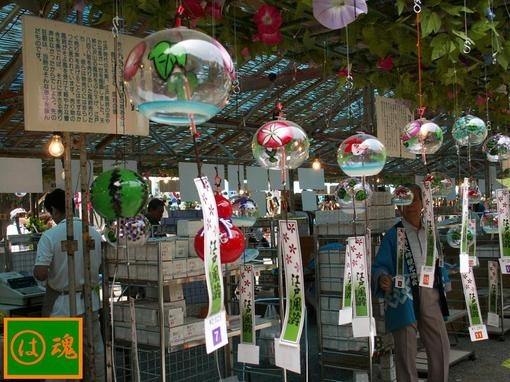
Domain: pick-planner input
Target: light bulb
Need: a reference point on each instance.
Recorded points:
(56, 147)
(316, 165)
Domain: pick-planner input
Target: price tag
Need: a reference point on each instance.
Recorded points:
(463, 263)
(427, 276)
(478, 333)
(399, 281)
(215, 331)
(493, 319)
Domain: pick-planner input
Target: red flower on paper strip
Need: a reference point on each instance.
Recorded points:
(268, 19)
(350, 142)
(274, 134)
(385, 64)
(268, 38)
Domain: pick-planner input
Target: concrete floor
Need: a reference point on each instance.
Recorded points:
(487, 364)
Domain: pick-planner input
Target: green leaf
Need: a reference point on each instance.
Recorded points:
(149, 6)
(372, 37)
(401, 4)
(441, 46)
(308, 42)
(454, 10)
(163, 61)
(502, 60)
(430, 23)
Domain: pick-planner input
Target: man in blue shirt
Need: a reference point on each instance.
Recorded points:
(412, 308)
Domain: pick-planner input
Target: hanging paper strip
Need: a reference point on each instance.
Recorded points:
(215, 322)
(401, 247)
(473, 260)
(477, 329)
(247, 351)
(463, 252)
(345, 314)
(427, 270)
(287, 348)
(503, 201)
(492, 306)
(295, 307)
(362, 325)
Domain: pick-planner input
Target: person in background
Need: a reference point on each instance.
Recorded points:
(18, 218)
(412, 308)
(155, 210)
(51, 269)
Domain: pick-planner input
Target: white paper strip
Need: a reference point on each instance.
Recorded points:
(248, 351)
(215, 324)
(428, 269)
(477, 329)
(503, 201)
(492, 304)
(295, 296)
(463, 253)
(361, 322)
(345, 314)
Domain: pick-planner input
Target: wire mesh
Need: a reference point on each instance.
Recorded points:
(192, 364)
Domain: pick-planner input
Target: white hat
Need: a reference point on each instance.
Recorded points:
(15, 212)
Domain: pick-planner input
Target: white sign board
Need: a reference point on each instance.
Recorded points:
(392, 116)
(69, 79)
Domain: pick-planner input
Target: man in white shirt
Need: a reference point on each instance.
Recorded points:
(51, 267)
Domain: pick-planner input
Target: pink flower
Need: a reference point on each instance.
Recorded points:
(350, 142)
(480, 100)
(245, 52)
(268, 38)
(193, 9)
(268, 19)
(344, 72)
(214, 10)
(385, 64)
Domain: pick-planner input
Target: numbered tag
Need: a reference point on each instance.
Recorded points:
(427, 276)
(493, 319)
(478, 333)
(399, 282)
(504, 264)
(463, 263)
(215, 332)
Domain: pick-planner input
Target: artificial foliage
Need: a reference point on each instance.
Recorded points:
(452, 80)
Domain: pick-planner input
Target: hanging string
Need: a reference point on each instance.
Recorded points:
(417, 10)
(487, 98)
(178, 16)
(349, 81)
(197, 156)
(467, 42)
